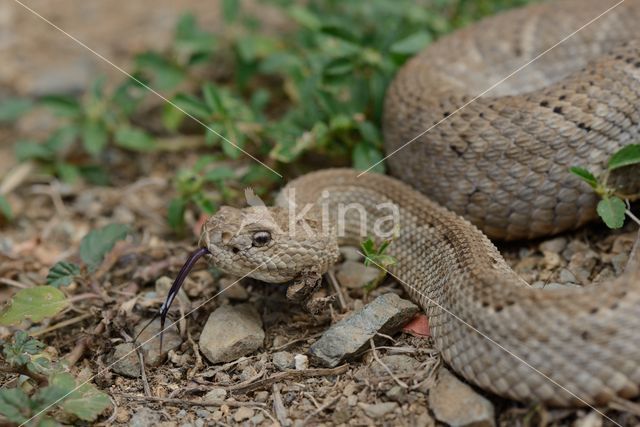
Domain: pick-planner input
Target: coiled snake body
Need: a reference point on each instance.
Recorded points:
(501, 162)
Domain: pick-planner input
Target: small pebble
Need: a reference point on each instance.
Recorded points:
(353, 275)
(397, 393)
(567, 276)
(352, 400)
(283, 360)
(378, 410)
(231, 332)
(215, 394)
(555, 246)
(243, 413)
(301, 362)
(261, 396)
(457, 404)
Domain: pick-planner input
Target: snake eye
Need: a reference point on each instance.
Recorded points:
(261, 238)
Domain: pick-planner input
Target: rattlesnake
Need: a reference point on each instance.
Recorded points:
(502, 163)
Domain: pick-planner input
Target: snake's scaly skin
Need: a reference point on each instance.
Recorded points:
(501, 162)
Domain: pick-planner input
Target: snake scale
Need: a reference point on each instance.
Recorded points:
(499, 164)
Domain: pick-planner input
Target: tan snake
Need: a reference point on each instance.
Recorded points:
(501, 162)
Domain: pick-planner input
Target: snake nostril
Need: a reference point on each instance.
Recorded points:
(235, 250)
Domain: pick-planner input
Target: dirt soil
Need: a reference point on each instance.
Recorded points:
(52, 217)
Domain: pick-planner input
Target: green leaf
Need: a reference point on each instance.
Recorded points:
(172, 117)
(305, 17)
(27, 150)
(62, 274)
(14, 403)
(230, 9)
(192, 106)
(364, 156)
(167, 75)
(34, 303)
(338, 67)
(175, 213)
(626, 156)
(94, 137)
(12, 108)
(67, 172)
(17, 353)
(192, 39)
(611, 210)
(64, 106)
(95, 245)
(220, 173)
(134, 139)
(212, 98)
(585, 175)
(412, 44)
(5, 209)
(85, 401)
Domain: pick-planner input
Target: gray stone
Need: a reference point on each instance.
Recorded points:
(231, 332)
(351, 253)
(567, 276)
(125, 361)
(353, 275)
(283, 360)
(555, 246)
(145, 417)
(399, 364)
(378, 410)
(151, 350)
(397, 393)
(242, 413)
(301, 362)
(215, 395)
(386, 314)
(458, 405)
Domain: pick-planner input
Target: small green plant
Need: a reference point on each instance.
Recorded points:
(375, 256)
(48, 388)
(613, 206)
(41, 302)
(44, 391)
(6, 213)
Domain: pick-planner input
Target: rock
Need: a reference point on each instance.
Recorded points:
(354, 275)
(151, 350)
(351, 253)
(398, 363)
(242, 413)
(397, 393)
(215, 395)
(592, 419)
(378, 410)
(386, 314)
(261, 396)
(301, 362)
(231, 332)
(283, 360)
(145, 417)
(125, 361)
(567, 276)
(231, 288)
(555, 246)
(619, 263)
(457, 404)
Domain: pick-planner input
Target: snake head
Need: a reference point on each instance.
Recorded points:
(266, 244)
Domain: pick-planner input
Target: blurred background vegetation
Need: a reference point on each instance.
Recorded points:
(306, 97)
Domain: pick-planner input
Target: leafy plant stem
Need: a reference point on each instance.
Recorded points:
(22, 370)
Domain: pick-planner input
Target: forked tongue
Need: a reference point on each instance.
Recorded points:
(173, 291)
